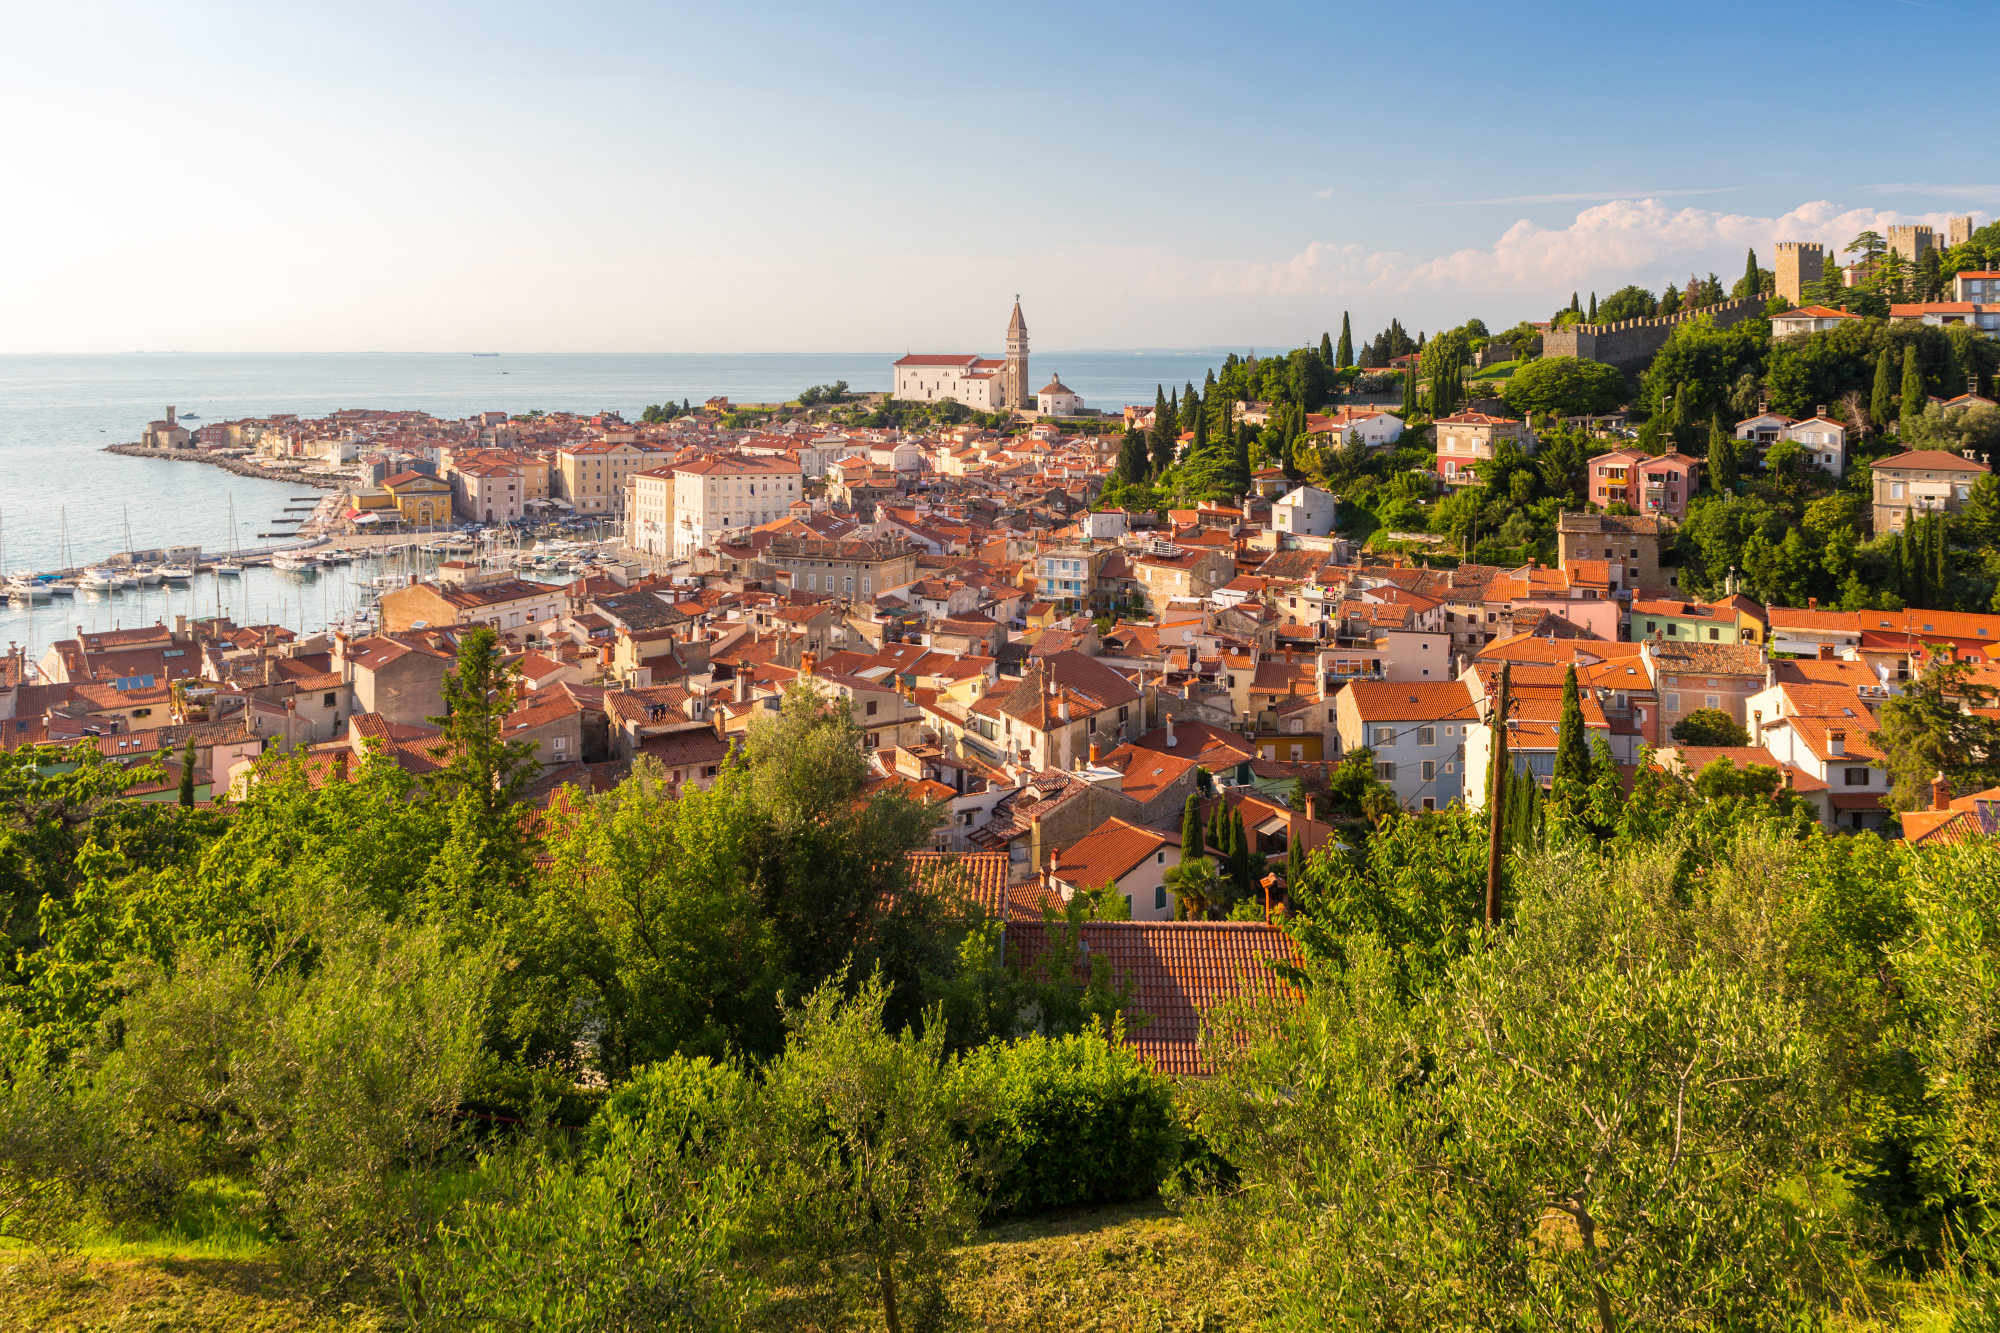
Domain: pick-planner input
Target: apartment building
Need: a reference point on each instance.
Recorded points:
(1416, 733)
(714, 497)
(1923, 481)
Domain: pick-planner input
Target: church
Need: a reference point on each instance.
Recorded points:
(980, 383)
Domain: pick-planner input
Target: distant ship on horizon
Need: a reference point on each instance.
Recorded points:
(486, 353)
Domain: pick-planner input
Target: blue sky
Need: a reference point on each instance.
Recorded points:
(584, 177)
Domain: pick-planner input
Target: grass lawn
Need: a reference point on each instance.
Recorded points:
(1134, 1268)
(1499, 370)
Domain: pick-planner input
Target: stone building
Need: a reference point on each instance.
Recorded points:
(982, 383)
(1631, 344)
(1798, 263)
(1637, 541)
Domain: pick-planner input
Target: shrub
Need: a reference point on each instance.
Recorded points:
(672, 1101)
(1076, 1120)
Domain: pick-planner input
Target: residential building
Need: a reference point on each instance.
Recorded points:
(1416, 733)
(1696, 622)
(1131, 859)
(1910, 485)
(401, 681)
(591, 475)
(1984, 317)
(1811, 632)
(1466, 439)
(1982, 287)
(488, 492)
(1377, 429)
(1063, 704)
(715, 495)
(1823, 439)
(1647, 485)
(1837, 754)
(847, 566)
(1693, 676)
(1808, 319)
(1635, 540)
(1166, 573)
(463, 595)
(1306, 511)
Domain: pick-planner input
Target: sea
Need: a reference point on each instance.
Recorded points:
(65, 503)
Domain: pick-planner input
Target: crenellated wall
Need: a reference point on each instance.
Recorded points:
(1631, 344)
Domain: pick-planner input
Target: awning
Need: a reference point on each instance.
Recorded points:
(360, 516)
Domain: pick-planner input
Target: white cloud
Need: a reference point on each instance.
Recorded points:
(1327, 193)
(1606, 246)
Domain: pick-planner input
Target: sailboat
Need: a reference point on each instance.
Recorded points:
(229, 564)
(59, 586)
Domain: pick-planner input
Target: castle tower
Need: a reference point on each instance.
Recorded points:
(1912, 242)
(1798, 263)
(1959, 231)
(1019, 396)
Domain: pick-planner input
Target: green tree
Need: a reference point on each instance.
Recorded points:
(1710, 726)
(1166, 432)
(1722, 466)
(1343, 356)
(1915, 400)
(1572, 738)
(1132, 465)
(1926, 731)
(1191, 830)
(1627, 303)
(1882, 401)
(187, 776)
(1326, 349)
(1565, 386)
(863, 1142)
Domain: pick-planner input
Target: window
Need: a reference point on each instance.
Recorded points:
(1430, 770)
(1714, 632)
(559, 744)
(871, 708)
(1427, 735)
(1430, 803)
(1448, 767)
(1385, 735)
(1159, 899)
(1673, 702)
(1159, 858)
(1385, 772)
(327, 702)
(1711, 701)
(1895, 490)
(1856, 777)
(708, 771)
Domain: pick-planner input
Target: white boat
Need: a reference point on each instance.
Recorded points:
(98, 580)
(176, 573)
(229, 567)
(149, 576)
(293, 562)
(26, 587)
(61, 587)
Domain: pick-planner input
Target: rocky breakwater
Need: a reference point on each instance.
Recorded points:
(242, 467)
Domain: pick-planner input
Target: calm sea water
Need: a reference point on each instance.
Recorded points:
(57, 413)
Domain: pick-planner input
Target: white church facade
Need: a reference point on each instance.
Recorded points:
(980, 383)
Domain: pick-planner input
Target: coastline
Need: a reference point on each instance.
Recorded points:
(241, 467)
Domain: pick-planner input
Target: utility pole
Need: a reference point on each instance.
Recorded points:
(1497, 792)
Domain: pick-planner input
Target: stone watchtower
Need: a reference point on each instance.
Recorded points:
(1019, 395)
(1799, 263)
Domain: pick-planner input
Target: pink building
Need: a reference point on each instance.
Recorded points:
(1649, 485)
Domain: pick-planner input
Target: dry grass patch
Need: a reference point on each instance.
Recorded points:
(86, 1295)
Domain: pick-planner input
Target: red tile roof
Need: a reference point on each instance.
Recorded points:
(1177, 972)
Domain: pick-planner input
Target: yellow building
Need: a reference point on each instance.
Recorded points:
(421, 499)
(592, 476)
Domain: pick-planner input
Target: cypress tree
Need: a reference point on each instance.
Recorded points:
(1940, 581)
(1722, 462)
(1343, 356)
(1593, 307)
(1882, 403)
(1572, 742)
(1326, 349)
(1575, 308)
(1295, 863)
(1239, 460)
(1191, 834)
(1243, 854)
(1914, 398)
(1752, 280)
(1166, 430)
(1132, 458)
(1217, 823)
(187, 776)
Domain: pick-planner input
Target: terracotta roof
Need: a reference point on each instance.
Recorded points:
(1111, 851)
(1177, 971)
(981, 876)
(1938, 460)
(1410, 701)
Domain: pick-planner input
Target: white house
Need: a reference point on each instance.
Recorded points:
(1824, 440)
(1417, 733)
(1808, 319)
(1306, 512)
(1377, 429)
(1132, 858)
(1835, 751)
(1055, 399)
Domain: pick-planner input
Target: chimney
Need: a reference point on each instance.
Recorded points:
(1170, 731)
(1093, 754)
(1311, 801)
(1756, 726)
(1940, 793)
(1812, 603)
(1062, 708)
(1826, 652)
(1836, 742)
(340, 765)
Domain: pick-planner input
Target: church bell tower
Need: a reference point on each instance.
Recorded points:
(1019, 396)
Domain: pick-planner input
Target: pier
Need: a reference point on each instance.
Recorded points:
(242, 467)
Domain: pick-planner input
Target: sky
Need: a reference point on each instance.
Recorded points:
(778, 177)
